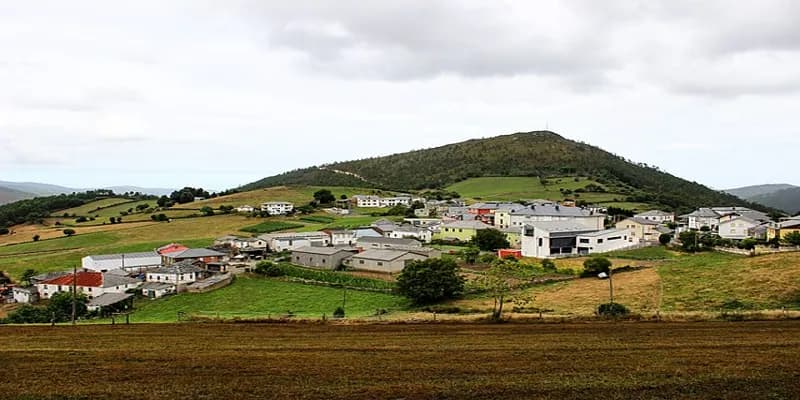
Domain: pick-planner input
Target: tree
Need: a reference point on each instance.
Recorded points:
(748, 244)
(490, 240)
(689, 240)
(470, 254)
(431, 280)
(268, 268)
(596, 265)
(28, 314)
(4, 231)
(69, 232)
(324, 196)
(25, 279)
(113, 220)
(207, 211)
(61, 305)
(225, 209)
(35, 238)
(163, 201)
(142, 207)
(665, 238)
(343, 197)
(496, 282)
(792, 238)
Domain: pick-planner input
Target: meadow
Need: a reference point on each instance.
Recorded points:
(403, 361)
(257, 297)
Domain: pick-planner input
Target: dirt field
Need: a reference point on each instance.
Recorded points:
(459, 361)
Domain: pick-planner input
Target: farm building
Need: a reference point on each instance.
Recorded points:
(171, 248)
(367, 243)
(294, 240)
(549, 239)
(156, 290)
(390, 261)
(602, 241)
(131, 262)
(204, 255)
(321, 257)
(277, 207)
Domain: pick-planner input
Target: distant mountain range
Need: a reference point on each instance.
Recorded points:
(15, 191)
(782, 196)
(542, 153)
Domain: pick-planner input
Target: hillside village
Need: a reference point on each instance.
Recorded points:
(427, 228)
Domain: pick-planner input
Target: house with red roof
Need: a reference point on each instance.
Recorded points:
(90, 283)
(171, 248)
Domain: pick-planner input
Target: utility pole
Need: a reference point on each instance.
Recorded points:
(610, 286)
(74, 291)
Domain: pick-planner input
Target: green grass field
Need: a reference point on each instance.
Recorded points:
(91, 208)
(270, 226)
(516, 188)
(253, 297)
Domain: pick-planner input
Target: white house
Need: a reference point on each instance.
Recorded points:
(409, 231)
(277, 207)
(550, 239)
(157, 290)
(289, 241)
(241, 242)
(25, 294)
(367, 201)
(183, 272)
(602, 241)
(659, 216)
(90, 283)
(245, 209)
(383, 260)
(737, 227)
(131, 262)
(710, 217)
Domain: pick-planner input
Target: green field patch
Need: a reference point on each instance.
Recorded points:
(270, 226)
(92, 206)
(250, 297)
(319, 219)
(516, 188)
(335, 277)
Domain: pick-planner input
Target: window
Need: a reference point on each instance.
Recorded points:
(323, 261)
(380, 264)
(360, 261)
(540, 242)
(599, 241)
(584, 240)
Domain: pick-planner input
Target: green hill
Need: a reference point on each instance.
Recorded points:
(541, 154)
(787, 199)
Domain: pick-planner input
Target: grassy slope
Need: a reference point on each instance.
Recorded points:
(90, 208)
(258, 297)
(675, 282)
(517, 188)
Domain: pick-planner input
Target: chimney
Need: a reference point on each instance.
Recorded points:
(558, 207)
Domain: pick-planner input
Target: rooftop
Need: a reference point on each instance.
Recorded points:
(325, 251)
(559, 226)
(127, 256)
(654, 213)
(386, 240)
(183, 267)
(107, 299)
(551, 210)
(197, 253)
(605, 232)
(468, 224)
(381, 255)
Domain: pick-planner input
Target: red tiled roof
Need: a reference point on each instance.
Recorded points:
(84, 278)
(171, 248)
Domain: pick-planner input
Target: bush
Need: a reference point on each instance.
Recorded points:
(596, 265)
(487, 258)
(490, 240)
(69, 232)
(35, 238)
(81, 219)
(665, 238)
(548, 265)
(612, 310)
(28, 314)
(268, 268)
(4, 231)
(338, 312)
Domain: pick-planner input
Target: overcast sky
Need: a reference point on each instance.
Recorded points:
(218, 94)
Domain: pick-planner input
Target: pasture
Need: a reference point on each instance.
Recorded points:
(403, 361)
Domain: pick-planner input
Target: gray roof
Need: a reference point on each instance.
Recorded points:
(110, 280)
(643, 221)
(560, 226)
(107, 299)
(157, 286)
(183, 267)
(385, 240)
(468, 224)
(325, 251)
(551, 210)
(654, 213)
(382, 255)
(196, 253)
(702, 213)
(128, 256)
(789, 224)
(49, 275)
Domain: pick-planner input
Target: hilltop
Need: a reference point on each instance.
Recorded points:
(542, 154)
(781, 196)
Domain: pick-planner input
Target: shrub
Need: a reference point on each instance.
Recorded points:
(548, 265)
(338, 312)
(268, 268)
(487, 258)
(665, 238)
(81, 219)
(35, 238)
(596, 265)
(612, 310)
(490, 240)
(69, 232)
(4, 231)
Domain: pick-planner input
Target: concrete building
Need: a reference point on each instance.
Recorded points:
(277, 207)
(183, 272)
(204, 255)
(321, 257)
(551, 239)
(28, 295)
(602, 241)
(409, 231)
(736, 228)
(131, 262)
(522, 215)
(367, 243)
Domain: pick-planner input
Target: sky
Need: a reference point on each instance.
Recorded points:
(219, 94)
